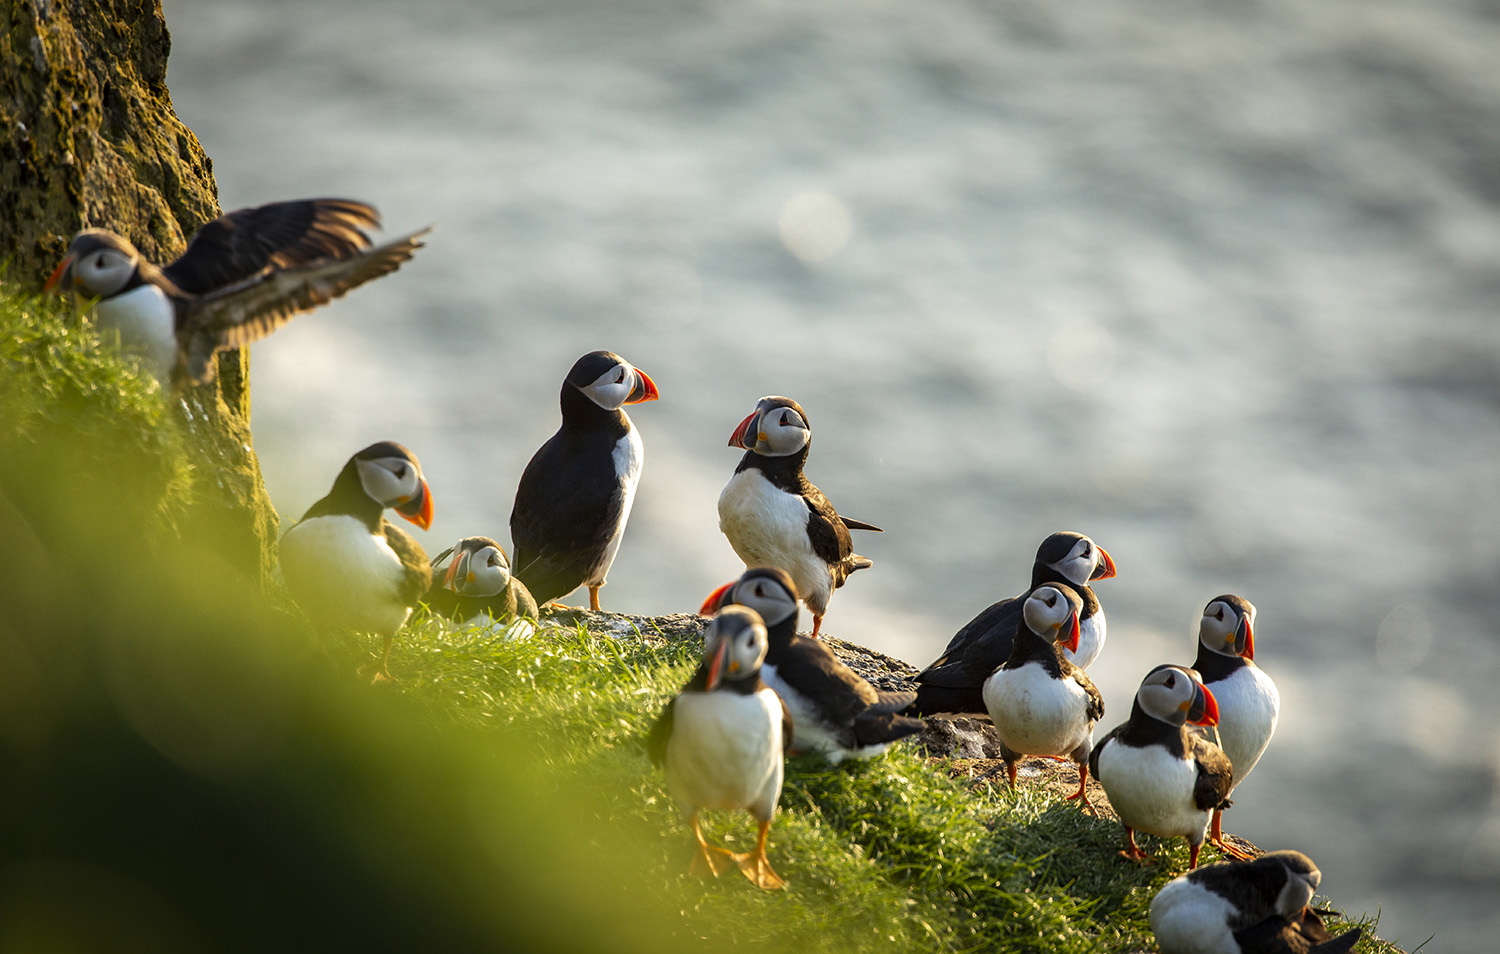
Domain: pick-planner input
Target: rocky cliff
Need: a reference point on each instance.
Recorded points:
(88, 137)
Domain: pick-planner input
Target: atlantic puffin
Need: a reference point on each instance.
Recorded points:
(477, 583)
(575, 494)
(1040, 702)
(1246, 907)
(1248, 701)
(1160, 777)
(721, 741)
(837, 713)
(350, 568)
(244, 275)
(954, 682)
(774, 516)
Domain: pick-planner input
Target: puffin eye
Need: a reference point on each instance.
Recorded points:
(1171, 682)
(620, 379)
(399, 470)
(1220, 615)
(99, 260)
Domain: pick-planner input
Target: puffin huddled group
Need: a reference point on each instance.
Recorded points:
(761, 690)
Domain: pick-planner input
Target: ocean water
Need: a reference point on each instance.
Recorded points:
(1215, 283)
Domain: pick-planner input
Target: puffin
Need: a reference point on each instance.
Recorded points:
(1246, 907)
(243, 275)
(721, 741)
(774, 516)
(954, 682)
(350, 568)
(1248, 701)
(477, 584)
(837, 713)
(1040, 702)
(1160, 777)
(575, 494)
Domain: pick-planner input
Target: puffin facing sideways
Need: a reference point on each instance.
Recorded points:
(477, 583)
(1042, 704)
(1160, 777)
(837, 713)
(1248, 701)
(774, 516)
(1246, 907)
(244, 275)
(954, 682)
(575, 494)
(345, 564)
(721, 740)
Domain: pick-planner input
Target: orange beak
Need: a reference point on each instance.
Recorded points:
(738, 438)
(1073, 633)
(452, 573)
(1248, 640)
(1106, 567)
(711, 605)
(645, 389)
(1204, 709)
(422, 515)
(57, 274)
(716, 665)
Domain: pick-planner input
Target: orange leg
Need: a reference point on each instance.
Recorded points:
(1193, 854)
(1134, 853)
(817, 624)
(1010, 773)
(381, 671)
(1082, 795)
(594, 598)
(757, 867)
(1216, 838)
(709, 861)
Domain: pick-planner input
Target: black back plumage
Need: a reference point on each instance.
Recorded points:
(1215, 775)
(569, 499)
(1304, 934)
(954, 682)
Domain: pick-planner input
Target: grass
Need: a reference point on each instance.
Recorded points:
(188, 767)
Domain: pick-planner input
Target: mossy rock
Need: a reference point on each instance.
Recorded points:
(90, 139)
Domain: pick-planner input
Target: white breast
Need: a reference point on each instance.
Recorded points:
(768, 527)
(344, 576)
(145, 321)
(1152, 790)
(1090, 641)
(725, 751)
(1248, 708)
(1190, 919)
(629, 455)
(1036, 714)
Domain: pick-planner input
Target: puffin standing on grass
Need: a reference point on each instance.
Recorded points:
(837, 713)
(1248, 701)
(350, 568)
(774, 516)
(477, 583)
(575, 494)
(244, 275)
(954, 682)
(721, 741)
(1246, 907)
(1042, 704)
(1160, 777)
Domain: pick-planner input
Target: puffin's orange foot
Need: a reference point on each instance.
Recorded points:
(1138, 856)
(757, 867)
(710, 861)
(1083, 799)
(1225, 848)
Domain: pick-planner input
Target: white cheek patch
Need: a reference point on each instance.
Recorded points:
(384, 486)
(611, 388)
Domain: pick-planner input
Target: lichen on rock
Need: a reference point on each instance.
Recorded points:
(90, 139)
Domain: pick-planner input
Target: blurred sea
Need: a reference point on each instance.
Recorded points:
(1215, 283)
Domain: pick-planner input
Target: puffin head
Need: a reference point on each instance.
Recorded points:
(734, 645)
(768, 590)
(610, 381)
(776, 428)
(1051, 611)
(478, 568)
(1075, 558)
(1302, 880)
(97, 265)
(392, 477)
(1175, 695)
(1227, 627)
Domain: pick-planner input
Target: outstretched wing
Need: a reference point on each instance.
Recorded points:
(248, 310)
(239, 244)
